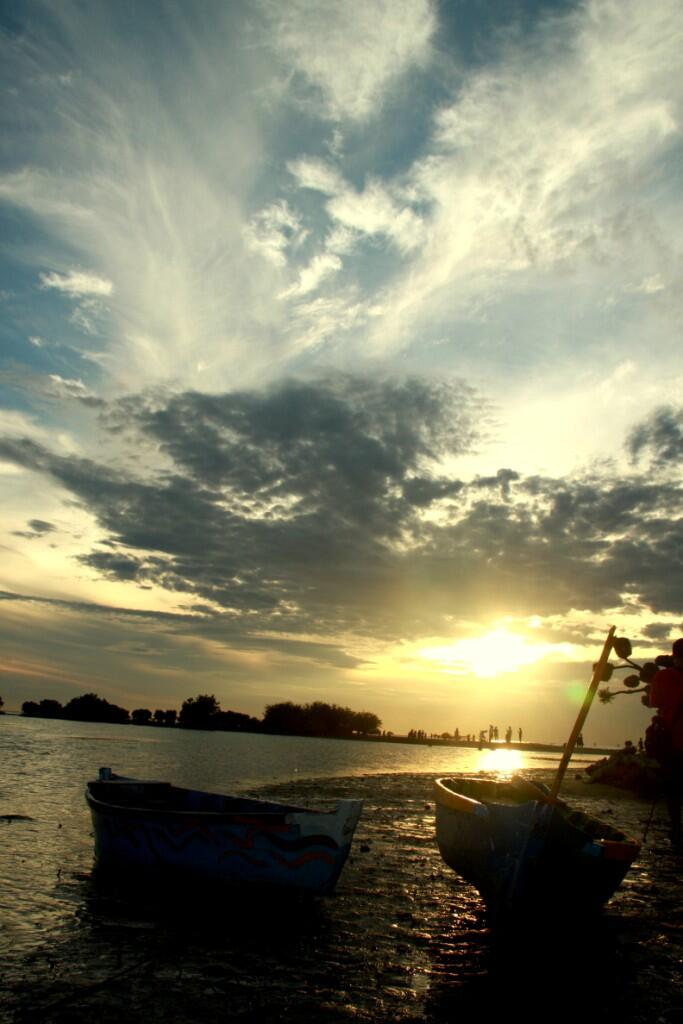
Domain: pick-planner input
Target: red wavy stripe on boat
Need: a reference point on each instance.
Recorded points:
(244, 856)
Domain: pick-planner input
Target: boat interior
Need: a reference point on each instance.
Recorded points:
(519, 790)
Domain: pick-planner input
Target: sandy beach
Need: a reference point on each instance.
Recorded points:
(403, 939)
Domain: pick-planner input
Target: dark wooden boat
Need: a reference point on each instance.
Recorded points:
(149, 827)
(525, 853)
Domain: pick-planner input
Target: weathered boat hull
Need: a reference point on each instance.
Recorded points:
(527, 855)
(150, 828)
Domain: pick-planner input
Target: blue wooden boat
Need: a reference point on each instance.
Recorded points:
(524, 853)
(149, 828)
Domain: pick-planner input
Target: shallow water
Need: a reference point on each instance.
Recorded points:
(403, 940)
(45, 765)
(58, 931)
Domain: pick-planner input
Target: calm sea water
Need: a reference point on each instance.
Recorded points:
(44, 766)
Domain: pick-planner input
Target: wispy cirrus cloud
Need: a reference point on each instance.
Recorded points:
(322, 266)
(352, 52)
(71, 388)
(77, 283)
(113, 180)
(376, 209)
(541, 164)
(530, 177)
(275, 231)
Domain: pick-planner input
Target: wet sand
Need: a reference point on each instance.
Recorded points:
(403, 939)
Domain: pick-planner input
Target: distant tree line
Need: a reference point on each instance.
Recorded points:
(318, 719)
(205, 712)
(88, 708)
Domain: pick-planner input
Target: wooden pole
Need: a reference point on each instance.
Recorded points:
(578, 725)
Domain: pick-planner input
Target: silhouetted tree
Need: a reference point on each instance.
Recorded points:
(318, 719)
(141, 716)
(50, 709)
(91, 708)
(235, 721)
(286, 718)
(327, 719)
(46, 709)
(162, 717)
(198, 712)
(365, 723)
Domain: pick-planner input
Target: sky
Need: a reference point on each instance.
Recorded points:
(340, 354)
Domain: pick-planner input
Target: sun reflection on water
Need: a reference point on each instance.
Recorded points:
(503, 760)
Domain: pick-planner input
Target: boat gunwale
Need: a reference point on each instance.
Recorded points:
(624, 848)
(141, 810)
(456, 801)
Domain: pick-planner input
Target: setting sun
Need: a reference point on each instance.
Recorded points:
(490, 655)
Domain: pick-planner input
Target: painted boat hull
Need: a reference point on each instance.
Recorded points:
(150, 829)
(525, 855)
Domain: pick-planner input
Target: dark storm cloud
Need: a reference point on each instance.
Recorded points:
(576, 543)
(92, 608)
(657, 631)
(36, 528)
(660, 436)
(201, 622)
(344, 446)
(501, 481)
(422, 491)
(313, 509)
(41, 526)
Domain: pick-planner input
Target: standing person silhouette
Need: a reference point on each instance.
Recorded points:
(666, 694)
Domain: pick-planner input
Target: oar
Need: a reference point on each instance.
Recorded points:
(578, 725)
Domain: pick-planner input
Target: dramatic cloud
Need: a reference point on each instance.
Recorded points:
(317, 508)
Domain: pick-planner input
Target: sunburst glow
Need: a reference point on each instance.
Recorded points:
(492, 654)
(501, 760)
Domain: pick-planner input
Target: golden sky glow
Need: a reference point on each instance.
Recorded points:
(493, 654)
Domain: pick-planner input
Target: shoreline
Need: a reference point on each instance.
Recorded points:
(544, 748)
(434, 741)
